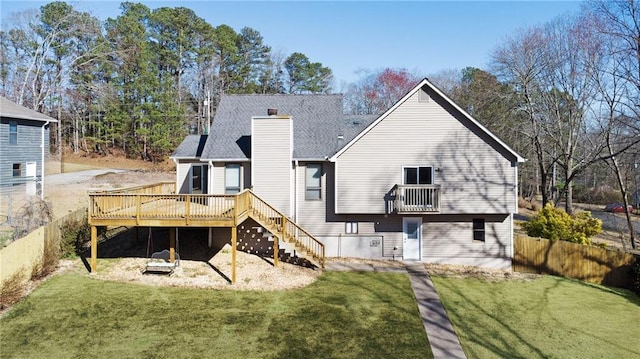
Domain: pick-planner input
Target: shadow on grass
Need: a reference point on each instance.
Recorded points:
(477, 331)
(489, 327)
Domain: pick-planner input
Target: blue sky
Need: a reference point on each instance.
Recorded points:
(347, 36)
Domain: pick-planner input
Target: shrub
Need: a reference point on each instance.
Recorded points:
(11, 290)
(555, 224)
(635, 272)
(49, 260)
(74, 234)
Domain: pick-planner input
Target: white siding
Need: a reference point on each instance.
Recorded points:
(312, 214)
(182, 175)
(450, 241)
(271, 152)
(474, 177)
(217, 180)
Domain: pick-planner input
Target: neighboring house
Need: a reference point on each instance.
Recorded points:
(635, 199)
(24, 142)
(423, 181)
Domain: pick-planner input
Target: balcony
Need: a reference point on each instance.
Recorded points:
(414, 199)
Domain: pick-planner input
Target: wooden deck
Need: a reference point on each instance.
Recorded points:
(158, 205)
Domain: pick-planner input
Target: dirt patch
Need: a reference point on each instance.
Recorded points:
(252, 273)
(458, 271)
(69, 196)
(370, 262)
(86, 160)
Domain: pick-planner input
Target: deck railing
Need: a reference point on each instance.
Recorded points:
(111, 205)
(155, 188)
(414, 199)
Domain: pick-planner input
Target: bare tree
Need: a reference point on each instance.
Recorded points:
(617, 23)
(520, 63)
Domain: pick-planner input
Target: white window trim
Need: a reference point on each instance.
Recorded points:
(351, 227)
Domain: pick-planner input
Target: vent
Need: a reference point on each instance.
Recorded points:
(423, 96)
(272, 111)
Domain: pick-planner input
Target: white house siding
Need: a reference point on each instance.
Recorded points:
(312, 214)
(217, 180)
(474, 177)
(448, 240)
(445, 239)
(271, 152)
(317, 217)
(182, 175)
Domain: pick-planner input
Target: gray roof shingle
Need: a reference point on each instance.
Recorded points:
(13, 110)
(191, 147)
(319, 126)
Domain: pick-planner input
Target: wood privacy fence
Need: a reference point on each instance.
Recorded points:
(26, 253)
(571, 260)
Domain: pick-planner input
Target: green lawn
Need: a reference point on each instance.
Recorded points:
(342, 315)
(549, 317)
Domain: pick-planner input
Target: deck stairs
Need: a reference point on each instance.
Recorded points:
(249, 205)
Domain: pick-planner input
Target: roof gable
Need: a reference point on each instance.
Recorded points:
(426, 83)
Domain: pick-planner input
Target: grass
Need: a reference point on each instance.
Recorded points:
(549, 317)
(342, 315)
(6, 236)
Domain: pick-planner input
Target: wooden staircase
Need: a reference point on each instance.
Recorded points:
(249, 205)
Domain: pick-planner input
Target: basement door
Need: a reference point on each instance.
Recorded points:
(411, 238)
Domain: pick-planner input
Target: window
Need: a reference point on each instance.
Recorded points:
(314, 181)
(17, 169)
(13, 133)
(232, 179)
(418, 175)
(478, 229)
(351, 227)
(417, 196)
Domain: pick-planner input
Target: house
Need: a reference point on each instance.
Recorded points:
(423, 181)
(24, 142)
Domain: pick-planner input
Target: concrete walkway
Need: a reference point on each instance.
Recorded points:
(442, 338)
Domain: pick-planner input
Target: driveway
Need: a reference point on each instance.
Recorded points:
(616, 222)
(76, 177)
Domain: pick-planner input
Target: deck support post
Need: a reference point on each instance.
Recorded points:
(210, 242)
(234, 245)
(94, 248)
(276, 251)
(172, 244)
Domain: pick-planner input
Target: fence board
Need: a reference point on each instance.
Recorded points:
(571, 260)
(26, 252)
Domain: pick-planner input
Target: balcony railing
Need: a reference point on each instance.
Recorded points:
(414, 198)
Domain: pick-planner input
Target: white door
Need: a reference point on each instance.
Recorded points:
(31, 169)
(411, 238)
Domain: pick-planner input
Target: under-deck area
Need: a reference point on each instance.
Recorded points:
(159, 205)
